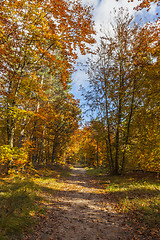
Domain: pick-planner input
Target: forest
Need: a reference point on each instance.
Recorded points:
(41, 120)
(38, 113)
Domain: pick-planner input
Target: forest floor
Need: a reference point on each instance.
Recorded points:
(79, 204)
(81, 210)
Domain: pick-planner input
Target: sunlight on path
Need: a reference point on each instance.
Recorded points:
(83, 213)
(80, 211)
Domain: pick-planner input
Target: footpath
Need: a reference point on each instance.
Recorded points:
(80, 211)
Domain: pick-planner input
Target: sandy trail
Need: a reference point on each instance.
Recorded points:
(81, 212)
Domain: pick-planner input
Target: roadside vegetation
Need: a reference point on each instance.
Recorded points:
(23, 199)
(135, 194)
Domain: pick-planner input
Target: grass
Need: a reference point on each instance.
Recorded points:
(97, 172)
(17, 205)
(137, 195)
(22, 199)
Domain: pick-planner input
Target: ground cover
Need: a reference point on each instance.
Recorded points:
(78, 210)
(60, 204)
(135, 194)
(22, 199)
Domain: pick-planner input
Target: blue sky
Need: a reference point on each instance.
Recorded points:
(102, 17)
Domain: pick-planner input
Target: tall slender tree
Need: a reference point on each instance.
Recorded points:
(117, 76)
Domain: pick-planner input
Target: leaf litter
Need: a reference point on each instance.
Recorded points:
(81, 211)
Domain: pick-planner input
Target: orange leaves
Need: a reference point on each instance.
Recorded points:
(147, 4)
(38, 43)
(43, 26)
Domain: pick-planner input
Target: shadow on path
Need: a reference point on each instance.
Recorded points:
(80, 211)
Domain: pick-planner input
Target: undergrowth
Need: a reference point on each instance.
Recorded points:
(137, 195)
(22, 199)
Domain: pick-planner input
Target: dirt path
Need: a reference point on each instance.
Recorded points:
(81, 212)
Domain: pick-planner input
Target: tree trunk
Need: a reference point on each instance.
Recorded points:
(10, 129)
(128, 127)
(97, 154)
(21, 138)
(116, 167)
(119, 116)
(53, 152)
(108, 128)
(41, 146)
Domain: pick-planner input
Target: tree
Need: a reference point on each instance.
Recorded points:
(35, 34)
(145, 134)
(38, 41)
(118, 79)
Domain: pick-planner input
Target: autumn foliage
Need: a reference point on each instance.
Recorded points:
(39, 116)
(124, 93)
(38, 43)
(147, 4)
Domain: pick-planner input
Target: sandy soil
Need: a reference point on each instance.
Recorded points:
(81, 212)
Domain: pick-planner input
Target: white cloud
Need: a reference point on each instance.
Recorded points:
(79, 77)
(153, 9)
(102, 17)
(102, 13)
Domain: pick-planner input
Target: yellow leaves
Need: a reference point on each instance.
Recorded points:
(18, 113)
(13, 157)
(5, 154)
(39, 24)
(36, 44)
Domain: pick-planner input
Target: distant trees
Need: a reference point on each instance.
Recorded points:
(88, 146)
